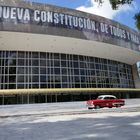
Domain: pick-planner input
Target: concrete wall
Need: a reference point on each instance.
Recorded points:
(32, 27)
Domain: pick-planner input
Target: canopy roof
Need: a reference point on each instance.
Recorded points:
(64, 90)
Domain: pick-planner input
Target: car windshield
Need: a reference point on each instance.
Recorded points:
(100, 98)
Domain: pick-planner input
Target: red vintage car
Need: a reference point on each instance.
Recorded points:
(105, 101)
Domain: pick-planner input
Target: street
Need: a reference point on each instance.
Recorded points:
(24, 122)
(106, 126)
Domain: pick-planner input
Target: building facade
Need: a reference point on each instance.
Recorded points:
(50, 54)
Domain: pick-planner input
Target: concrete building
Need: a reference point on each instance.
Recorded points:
(50, 54)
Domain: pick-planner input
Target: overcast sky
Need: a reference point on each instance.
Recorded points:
(123, 15)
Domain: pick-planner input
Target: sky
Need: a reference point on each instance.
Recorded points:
(125, 14)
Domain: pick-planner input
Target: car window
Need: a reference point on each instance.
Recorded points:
(106, 98)
(111, 98)
(100, 98)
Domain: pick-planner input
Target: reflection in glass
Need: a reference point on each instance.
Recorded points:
(53, 70)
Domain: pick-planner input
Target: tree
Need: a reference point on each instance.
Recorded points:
(115, 5)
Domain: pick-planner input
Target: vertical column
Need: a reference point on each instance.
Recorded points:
(135, 76)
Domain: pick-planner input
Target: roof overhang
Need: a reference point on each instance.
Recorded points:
(64, 90)
(16, 41)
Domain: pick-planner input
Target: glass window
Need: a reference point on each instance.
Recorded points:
(57, 78)
(75, 57)
(57, 70)
(76, 78)
(35, 78)
(35, 85)
(35, 70)
(12, 70)
(12, 78)
(56, 56)
(42, 62)
(35, 55)
(43, 55)
(83, 79)
(20, 54)
(12, 62)
(12, 86)
(81, 58)
(20, 79)
(82, 72)
(35, 62)
(64, 71)
(43, 78)
(92, 65)
(64, 78)
(82, 65)
(97, 66)
(75, 64)
(43, 70)
(43, 85)
(76, 71)
(63, 56)
(63, 64)
(21, 62)
(56, 63)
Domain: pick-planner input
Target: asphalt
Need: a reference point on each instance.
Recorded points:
(64, 108)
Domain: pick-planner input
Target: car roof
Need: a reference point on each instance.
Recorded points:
(107, 96)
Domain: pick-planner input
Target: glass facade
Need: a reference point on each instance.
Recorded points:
(26, 70)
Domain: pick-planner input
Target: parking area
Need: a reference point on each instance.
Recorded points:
(47, 108)
(97, 126)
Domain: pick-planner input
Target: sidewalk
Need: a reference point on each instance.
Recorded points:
(62, 108)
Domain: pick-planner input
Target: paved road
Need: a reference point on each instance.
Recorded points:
(132, 105)
(36, 122)
(98, 126)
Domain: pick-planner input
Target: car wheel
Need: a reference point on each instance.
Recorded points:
(97, 107)
(90, 108)
(118, 106)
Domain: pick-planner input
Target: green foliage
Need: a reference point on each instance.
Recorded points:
(137, 19)
(116, 3)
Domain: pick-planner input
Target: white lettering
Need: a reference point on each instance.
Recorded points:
(0, 12)
(66, 20)
(75, 21)
(56, 19)
(128, 35)
(50, 17)
(104, 28)
(117, 32)
(26, 16)
(134, 38)
(6, 12)
(36, 15)
(43, 16)
(13, 13)
(85, 25)
(19, 13)
(93, 25)
(70, 20)
(88, 24)
(61, 18)
(81, 25)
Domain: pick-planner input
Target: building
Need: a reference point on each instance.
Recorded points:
(51, 54)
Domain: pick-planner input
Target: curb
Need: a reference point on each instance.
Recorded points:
(120, 110)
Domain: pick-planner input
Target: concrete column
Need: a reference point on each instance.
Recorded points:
(136, 76)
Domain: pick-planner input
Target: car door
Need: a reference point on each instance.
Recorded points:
(107, 102)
